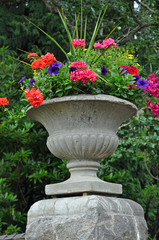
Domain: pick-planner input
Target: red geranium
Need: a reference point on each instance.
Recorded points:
(34, 96)
(132, 70)
(4, 101)
(48, 58)
(38, 64)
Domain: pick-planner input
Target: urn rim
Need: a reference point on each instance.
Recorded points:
(87, 97)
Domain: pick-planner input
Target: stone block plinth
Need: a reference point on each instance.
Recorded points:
(91, 217)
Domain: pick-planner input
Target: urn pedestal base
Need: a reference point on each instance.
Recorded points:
(83, 185)
(83, 179)
(86, 218)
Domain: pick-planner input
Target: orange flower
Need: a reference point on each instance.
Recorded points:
(30, 55)
(39, 63)
(4, 101)
(48, 58)
(34, 96)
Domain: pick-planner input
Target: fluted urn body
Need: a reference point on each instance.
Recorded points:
(82, 130)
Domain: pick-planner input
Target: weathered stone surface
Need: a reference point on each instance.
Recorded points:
(86, 218)
(13, 237)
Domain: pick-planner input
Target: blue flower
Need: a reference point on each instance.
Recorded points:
(32, 81)
(24, 87)
(142, 83)
(54, 68)
(103, 71)
(125, 70)
(136, 77)
(22, 79)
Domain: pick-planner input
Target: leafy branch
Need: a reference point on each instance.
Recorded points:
(147, 7)
(140, 23)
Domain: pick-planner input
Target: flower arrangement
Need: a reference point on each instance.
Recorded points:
(101, 68)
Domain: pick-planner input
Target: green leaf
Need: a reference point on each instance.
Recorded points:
(62, 16)
(96, 29)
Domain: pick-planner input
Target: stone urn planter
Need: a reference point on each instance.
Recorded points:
(82, 130)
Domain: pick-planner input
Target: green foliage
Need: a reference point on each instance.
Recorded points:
(24, 35)
(26, 165)
(9, 215)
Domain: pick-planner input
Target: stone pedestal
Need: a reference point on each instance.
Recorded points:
(91, 217)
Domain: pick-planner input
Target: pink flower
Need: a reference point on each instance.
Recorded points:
(78, 42)
(153, 87)
(154, 108)
(105, 44)
(151, 76)
(97, 45)
(83, 75)
(114, 44)
(79, 64)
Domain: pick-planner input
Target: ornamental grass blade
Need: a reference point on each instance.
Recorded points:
(112, 31)
(23, 50)
(98, 57)
(48, 37)
(20, 61)
(62, 16)
(96, 29)
(85, 29)
(93, 36)
(76, 26)
(75, 32)
(81, 19)
(103, 79)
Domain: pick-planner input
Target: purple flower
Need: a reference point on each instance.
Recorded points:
(125, 72)
(103, 71)
(142, 83)
(22, 79)
(24, 87)
(32, 81)
(54, 68)
(136, 77)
